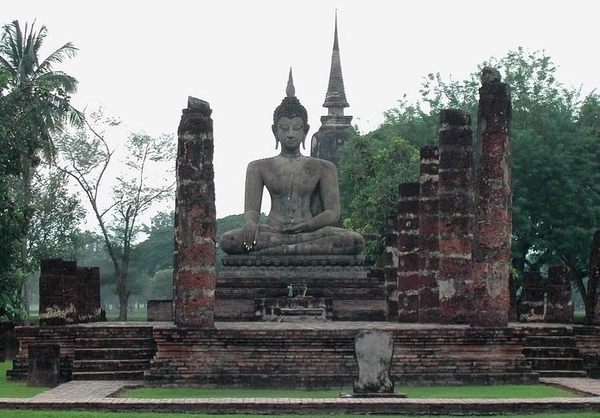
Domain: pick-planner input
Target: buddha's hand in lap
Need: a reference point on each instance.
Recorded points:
(301, 227)
(250, 235)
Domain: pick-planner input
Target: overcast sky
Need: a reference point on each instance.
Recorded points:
(140, 60)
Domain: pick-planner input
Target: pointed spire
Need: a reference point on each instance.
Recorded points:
(335, 99)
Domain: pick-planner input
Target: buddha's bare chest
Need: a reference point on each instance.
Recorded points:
(292, 179)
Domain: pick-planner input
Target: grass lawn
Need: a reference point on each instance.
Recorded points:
(84, 414)
(449, 392)
(19, 389)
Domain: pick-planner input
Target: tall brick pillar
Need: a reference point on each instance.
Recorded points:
(456, 209)
(493, 217)
(593, 291)
(559, 308)
(195, 219)
(408, 257)
(429, 295)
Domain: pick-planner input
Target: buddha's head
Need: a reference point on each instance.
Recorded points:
(290, 107)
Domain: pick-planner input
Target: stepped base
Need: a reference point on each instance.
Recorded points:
(248, 285)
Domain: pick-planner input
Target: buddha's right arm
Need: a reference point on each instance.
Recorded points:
(251, 216)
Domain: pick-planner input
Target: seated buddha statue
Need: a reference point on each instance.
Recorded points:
(304, 194)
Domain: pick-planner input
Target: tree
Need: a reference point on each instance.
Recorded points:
(40, 98)
(555, 156)
(86, 156)
(371, 168)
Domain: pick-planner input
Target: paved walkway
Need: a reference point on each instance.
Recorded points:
(97, 396)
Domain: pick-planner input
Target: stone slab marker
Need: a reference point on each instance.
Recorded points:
(456, 209)
(493, 223)
(593, 302)
(195, 219)
(559, 308)
(429, 295)
(374, 351)
(408, 257)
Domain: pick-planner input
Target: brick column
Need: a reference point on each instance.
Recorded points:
(429, 296)
(408, 257)
(456, 217)
(195, 219)
(493, 224)
(593, 299)
(559, 308)
(532, 295)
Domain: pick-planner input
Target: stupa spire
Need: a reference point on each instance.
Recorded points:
(335, 99)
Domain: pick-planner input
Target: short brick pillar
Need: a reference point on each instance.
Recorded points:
(159, 310)
(559, 308)
(44, 365)
(195, 219)
(408, 257)
(532, 297)
(68, 294)
(593, 294)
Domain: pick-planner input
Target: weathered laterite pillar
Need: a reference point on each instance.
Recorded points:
(195, 219)
(532, 303)
(493, 217)
(456, 217)
(559, 309)
(408, 257)
(429, 295)
(593, 299)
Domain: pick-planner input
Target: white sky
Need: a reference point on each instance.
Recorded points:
(141, 59)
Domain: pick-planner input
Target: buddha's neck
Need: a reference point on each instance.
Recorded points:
(291, 154)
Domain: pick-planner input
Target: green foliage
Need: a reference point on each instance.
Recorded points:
(555, 155)
(34, 103)
(161, 285)
(372, 166)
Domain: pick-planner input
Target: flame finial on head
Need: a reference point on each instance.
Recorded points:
(290, 90)
(290, 105)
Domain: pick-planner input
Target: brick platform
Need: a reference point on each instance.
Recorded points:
(298, 355)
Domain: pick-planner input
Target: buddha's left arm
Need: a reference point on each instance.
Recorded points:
(330, 196)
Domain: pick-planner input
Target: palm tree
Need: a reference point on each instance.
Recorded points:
(41, 96)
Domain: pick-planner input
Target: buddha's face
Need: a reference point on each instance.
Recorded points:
(290, 132)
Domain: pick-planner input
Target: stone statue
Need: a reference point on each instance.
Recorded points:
(304, 197)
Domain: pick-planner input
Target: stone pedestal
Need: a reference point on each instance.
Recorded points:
(246, 283)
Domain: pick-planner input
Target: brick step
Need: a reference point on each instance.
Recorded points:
(110, 365)
(147, 343)
(336, 294)
(551, 352)
(113, 353)
(109, 375)
(555, 363)
(562, 373)
(551, 341)
(123, 332)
